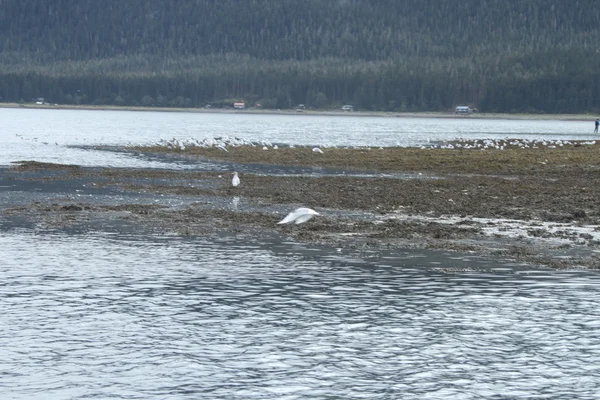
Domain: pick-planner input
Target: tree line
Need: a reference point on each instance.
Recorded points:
(394, 55)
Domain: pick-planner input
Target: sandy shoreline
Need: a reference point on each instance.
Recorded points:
(538, 206)
(330, 113)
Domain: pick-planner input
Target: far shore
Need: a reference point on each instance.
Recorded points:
(333, 112)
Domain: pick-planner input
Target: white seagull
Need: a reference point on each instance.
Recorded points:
(235, 180)
(299, 216)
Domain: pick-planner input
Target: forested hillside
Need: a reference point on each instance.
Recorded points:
(397, 55)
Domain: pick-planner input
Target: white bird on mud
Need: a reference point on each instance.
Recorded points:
(317, 150)
(299, 216)
(235, 181)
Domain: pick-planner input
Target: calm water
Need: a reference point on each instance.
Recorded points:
(126, 314)
(48, 135)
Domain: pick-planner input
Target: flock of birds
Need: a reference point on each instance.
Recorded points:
(223, 143)
(502, 144)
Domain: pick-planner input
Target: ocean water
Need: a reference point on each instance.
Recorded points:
(125, 316)
(66, 135)
(117, 312)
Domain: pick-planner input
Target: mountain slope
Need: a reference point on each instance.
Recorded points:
(535, 55)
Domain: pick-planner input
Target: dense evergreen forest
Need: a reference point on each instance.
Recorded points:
(540, 56)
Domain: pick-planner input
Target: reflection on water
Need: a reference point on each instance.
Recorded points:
(110, 316)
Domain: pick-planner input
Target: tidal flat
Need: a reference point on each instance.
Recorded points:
(536, 205)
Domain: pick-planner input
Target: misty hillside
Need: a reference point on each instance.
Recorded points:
(400, 55)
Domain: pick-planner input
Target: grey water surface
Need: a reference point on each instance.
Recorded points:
(66, 136)
(122, 316)
(118, 312)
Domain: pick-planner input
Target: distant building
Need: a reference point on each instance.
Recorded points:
(239, 106)
(39, 101)
(463, 110)
(347, 107)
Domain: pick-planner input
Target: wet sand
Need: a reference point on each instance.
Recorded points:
(538, 206)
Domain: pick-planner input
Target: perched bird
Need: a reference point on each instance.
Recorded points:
(235, 180)
(317, 150)
(299, 216)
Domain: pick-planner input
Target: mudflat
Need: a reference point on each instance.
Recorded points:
(532, 204)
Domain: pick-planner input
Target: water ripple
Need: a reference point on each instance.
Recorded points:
(132, 317)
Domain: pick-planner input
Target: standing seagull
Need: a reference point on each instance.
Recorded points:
(299, 216)
(235, 180)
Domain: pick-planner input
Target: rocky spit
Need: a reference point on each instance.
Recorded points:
(534, 202)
